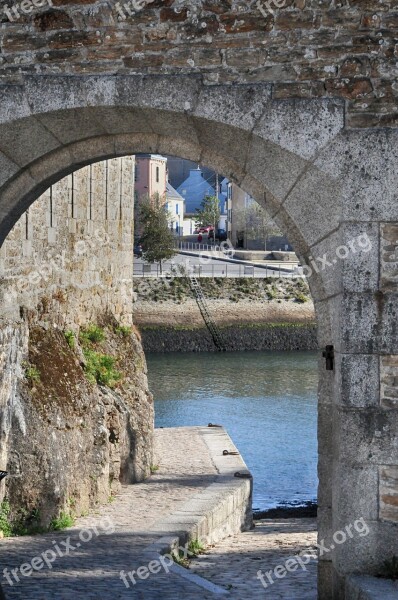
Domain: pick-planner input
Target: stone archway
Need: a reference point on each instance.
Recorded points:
(296, 158)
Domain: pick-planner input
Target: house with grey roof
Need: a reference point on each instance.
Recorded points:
(175, 205)
(194, 189)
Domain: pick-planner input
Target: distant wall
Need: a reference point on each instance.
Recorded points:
(75, 242)
(259, 337)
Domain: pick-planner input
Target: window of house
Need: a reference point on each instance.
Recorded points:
(157, 174)
(176, 209)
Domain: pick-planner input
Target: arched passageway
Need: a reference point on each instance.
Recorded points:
(325, 186)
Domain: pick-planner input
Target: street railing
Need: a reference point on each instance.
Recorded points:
(196, 246)
(214, 270)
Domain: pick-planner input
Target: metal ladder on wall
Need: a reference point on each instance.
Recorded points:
(210, 324)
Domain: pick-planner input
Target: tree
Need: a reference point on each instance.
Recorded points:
(157, 239)
(209, 214)
(256, 223)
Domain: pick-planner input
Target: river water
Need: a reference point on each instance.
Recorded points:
(266, 401)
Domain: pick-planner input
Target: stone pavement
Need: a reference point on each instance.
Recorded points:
(92, 570)
(118, 537)
(234, 562)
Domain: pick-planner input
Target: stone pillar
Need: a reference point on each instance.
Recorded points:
(365, 412)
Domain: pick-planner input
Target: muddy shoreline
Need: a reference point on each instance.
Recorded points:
(278, 324)
(306, 511)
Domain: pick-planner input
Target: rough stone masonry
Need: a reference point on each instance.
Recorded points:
(299, 108)
(68, 443)
(306, 49)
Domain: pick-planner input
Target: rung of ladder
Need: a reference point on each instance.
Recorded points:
(210, 324)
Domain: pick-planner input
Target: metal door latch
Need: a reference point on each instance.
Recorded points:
(328, 354)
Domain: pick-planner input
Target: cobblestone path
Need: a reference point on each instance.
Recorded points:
(116, 537)
(92, 570)
(235, 561)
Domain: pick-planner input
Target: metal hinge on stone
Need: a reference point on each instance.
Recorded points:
(328, 354)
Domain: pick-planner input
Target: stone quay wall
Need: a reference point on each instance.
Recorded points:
(236, 338)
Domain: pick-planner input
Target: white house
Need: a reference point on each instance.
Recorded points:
(175, 205)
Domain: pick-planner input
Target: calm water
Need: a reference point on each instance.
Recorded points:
(266, 401)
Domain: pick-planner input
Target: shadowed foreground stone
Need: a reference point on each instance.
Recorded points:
(193, 493)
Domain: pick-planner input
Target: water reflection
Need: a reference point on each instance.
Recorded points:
(266, 400)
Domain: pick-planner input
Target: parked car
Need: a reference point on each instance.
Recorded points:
(204, 229)
(221, 235)
(138, 250)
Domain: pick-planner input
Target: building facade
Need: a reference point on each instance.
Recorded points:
(150, 176)
(150, 182)
(194, 189)
(240, 205)
(175, 205)
(237, 202)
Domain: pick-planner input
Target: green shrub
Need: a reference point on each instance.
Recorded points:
(62, 522)
(70, 338)
(92, 333)
(180, 558)
(24, 523)
(32, 373)
(300, 297)
(195, 547)
(99, 368)
(123, 330)
(5, 525)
